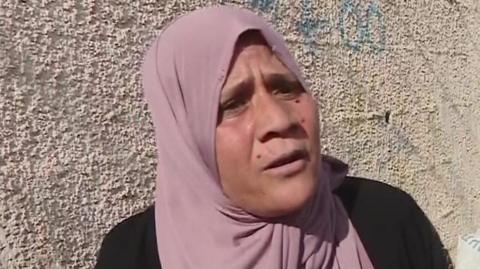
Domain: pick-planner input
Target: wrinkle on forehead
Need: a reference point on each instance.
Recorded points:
(246, 39)
(248, 44)
(251, 37)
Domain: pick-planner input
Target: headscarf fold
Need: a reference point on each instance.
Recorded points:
(196, 225)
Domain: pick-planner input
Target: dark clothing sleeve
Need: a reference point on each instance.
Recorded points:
(131, 244)
(394, 230)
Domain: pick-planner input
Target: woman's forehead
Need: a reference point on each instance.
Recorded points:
(246, 41)
(251, 37)
(257, 56)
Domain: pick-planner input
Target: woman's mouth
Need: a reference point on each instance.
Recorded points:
(287, 164)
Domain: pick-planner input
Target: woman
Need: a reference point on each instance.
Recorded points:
(240, 181)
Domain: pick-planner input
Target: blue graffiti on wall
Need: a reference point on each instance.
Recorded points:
(310, 27)
(266, 6)
(263, 5)
(363, 26)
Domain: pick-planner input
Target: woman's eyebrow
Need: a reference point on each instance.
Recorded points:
(279, 78)
(236, 88)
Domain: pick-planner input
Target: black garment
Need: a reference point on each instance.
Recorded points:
(393, 229)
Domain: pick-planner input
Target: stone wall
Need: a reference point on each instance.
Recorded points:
(398, 83)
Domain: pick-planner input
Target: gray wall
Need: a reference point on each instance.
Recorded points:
(398, 83)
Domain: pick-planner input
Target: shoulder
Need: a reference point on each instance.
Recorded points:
(130, 244)
(371, 196)
(394, 230)
(129, 229)
(374, 206)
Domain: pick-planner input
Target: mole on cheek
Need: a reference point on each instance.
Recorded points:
(259, 156)
(297, 101)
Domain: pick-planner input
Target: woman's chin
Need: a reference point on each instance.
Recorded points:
(287, 198)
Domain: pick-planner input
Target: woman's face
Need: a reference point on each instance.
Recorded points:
(267, 134)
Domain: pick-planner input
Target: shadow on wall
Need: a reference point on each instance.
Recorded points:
(367, 24)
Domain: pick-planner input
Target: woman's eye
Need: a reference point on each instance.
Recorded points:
(288, 91)
(232, 107)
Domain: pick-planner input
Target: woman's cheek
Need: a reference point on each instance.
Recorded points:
(309, 114)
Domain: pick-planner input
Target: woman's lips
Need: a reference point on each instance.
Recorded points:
(287, 164)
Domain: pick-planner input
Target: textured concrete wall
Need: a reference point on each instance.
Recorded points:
(398, 83)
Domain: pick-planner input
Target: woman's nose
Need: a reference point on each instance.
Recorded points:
(273, 118)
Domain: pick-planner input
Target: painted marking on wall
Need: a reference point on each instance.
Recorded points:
(263, 5)
(369, 27)
(364, 26)
(266, 6)
(311, 27)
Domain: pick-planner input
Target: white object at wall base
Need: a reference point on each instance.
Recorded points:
(468, 251)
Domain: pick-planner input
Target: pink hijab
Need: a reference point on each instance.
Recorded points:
(196, 225)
